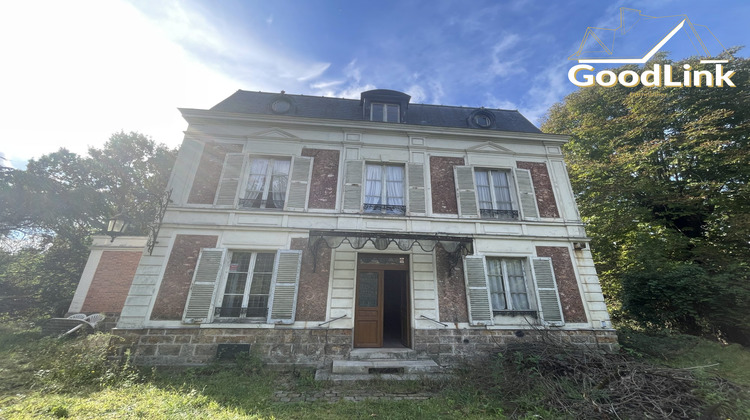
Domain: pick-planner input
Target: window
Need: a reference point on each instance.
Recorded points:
(384, 112)
(248, 285)
(384, 189)
(494, 194)
(267, 183)
(482, 120)
(507, 281)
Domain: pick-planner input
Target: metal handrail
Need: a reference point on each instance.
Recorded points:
(434, 320)
(331, 320)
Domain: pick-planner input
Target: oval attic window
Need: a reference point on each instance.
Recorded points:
(281, 106)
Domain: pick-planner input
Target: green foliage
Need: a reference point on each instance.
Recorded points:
(707, 359)
(250, 363)
(51, 209)
(661, 177)
(82, 362)
(519, 384)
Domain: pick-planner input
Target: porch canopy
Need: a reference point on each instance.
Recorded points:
(455, 246)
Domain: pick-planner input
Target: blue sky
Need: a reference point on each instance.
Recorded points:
(75, 72)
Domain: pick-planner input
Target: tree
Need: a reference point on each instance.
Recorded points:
(61, 199)
(661, 176)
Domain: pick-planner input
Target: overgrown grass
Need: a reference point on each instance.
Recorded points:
(730, 361)
(47, 378)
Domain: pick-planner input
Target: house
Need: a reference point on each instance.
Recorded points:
(305, 228)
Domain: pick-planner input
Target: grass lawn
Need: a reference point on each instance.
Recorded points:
(47, 378)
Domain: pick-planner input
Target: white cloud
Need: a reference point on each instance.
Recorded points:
(326, 85)
(493, 102)
(79, 71)
(507, 57)
(417, 94)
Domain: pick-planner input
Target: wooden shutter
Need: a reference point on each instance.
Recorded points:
(299, 180)
(283, 298)
(466, 191)
(477, 292)
(353, 180)
(415, 172)
(550, 308)
(230, 179)
(526, 193)
(200, 299)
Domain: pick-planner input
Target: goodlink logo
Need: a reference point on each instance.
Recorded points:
(634, 35)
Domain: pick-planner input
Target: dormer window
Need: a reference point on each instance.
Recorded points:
(384, 112)
(384, 105)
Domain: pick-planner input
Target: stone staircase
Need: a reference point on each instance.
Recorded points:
(382, 363)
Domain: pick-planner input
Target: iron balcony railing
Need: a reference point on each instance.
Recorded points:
(243, 312)
(498, 214)
(384, 208)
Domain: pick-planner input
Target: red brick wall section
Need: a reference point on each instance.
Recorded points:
(312, 297)
(570, 297)
(444, 184)
(170, 302)
(451, 289)
(545, 197)
(111, 282)
(209, 170)
(324, 178)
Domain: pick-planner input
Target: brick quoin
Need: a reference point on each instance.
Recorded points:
(312, 297)
(444, 184)
(325, 173)
(451, 289)
(170, 302)
(545, 197)
(111, 283)
(570, 297)
(209, 170)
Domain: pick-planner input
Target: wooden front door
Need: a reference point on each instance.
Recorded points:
(374, 271)
(368, 313)
(404, 310)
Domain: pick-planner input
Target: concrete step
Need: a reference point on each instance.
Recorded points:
(326, 375)
(383, 353)
(384, 367)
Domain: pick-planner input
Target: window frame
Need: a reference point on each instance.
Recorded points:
(385, 106)
(385, 209)
(266, 183)
(507, 292)
(222, 292)
(495, 212)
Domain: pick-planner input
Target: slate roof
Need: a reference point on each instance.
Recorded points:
(246, 102)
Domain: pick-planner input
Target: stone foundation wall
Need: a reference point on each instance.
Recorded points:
(314, 347)
(193, 346)
(447, 346)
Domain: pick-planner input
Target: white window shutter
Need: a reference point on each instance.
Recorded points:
(415, 172)
(200, 301)
(229, 181)
(526, 192)
(477, 292)
(284, 286)
(547, 293)
(353, 179)
(466, 191)
(299, 180)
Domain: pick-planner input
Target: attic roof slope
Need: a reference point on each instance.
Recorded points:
(246, 102)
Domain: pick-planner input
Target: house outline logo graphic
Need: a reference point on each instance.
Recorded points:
(603, 41)
(624, 28)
